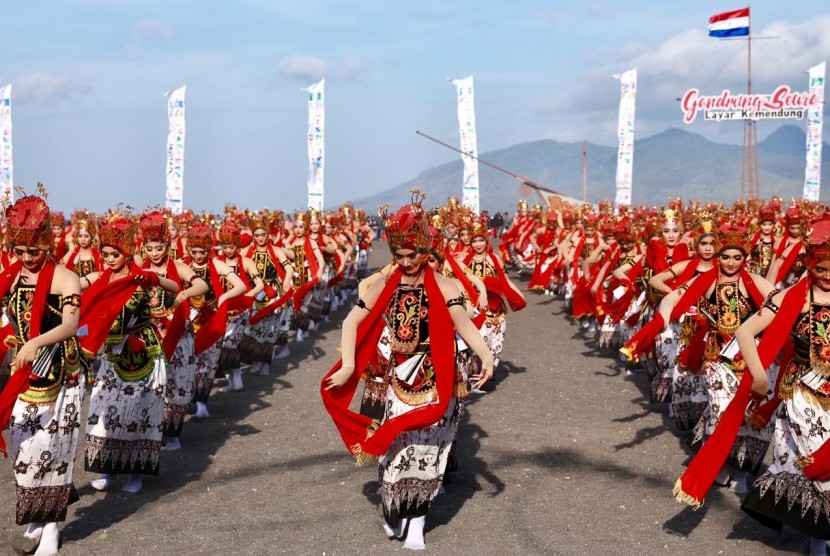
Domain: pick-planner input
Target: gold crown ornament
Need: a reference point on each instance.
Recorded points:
(408, 228)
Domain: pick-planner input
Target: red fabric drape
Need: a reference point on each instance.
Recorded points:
(693, 485)
(19, 381)
(354, 428)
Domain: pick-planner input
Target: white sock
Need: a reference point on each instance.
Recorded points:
(283, 353)
(396, 531)
(201, 410)
(102, 483)
(49, 540)
(723, 476)
(172, 444)
(133, 484)
(300, 335)
(236, 380)
(415, 535)
(739, 483)
(34, 530)
(818, 547)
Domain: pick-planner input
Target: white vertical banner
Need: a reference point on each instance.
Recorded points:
(316, 144)
(812, 172)
(6, 165)
(467, 133)
(175, 150)
(625, 133)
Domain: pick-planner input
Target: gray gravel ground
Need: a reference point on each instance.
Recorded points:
(563, 455)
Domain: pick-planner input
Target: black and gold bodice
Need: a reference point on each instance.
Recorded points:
(267, 268)
(483, 269)
(82, 267)
(729, 307)
(811, 360)
(205, 305)
(66, 365)
(161, 301)
(132, 345)
(407, 317)
(761, 257)
(300, 272)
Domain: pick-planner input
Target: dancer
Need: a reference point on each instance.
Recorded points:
(43, 308)
(795, 489)
(223, 284)
(171, 322)
(421, 412)
(126, 410)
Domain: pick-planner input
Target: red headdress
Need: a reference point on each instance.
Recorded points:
(669, 216)
(766, 214)
(479, 227)
(154, 227)
(200, 235)
(84, 220)
(731, 235)
(58, 219)
(793, 216)
(117, 230)
(409, 227)
(28, 222)
(230, 233)
(705, 227)
(817, 244)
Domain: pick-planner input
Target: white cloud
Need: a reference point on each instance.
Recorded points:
(150, 29)
(44, 87)
(305, 69)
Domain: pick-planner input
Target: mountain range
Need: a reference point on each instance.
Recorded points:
(672, 163)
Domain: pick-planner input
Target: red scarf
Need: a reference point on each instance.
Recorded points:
(103, 301)
(693, 485)
(19, 381)
(643, 341)
(175, 327)
(239, 269)
(73, 256)
(217, 324)
(356, 429)
(789, 261)
(468, 286)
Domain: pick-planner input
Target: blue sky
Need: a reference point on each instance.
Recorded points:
(88, 78)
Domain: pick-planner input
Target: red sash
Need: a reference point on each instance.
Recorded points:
(175, 327)
(356, 429)
(19, 381)
(96, 258)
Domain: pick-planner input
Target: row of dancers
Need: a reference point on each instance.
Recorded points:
(134, 315)
(726, 308)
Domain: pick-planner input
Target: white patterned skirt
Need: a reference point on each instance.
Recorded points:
(181, 375)
(412, 469)
(751, 445)
(44, 441)
(206, 364)
(124, 426)
(783, 495)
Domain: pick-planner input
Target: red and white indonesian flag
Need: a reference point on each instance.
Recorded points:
(730, 24)
(6, 166)
(175, 150)
(469, 142)
(316, 144)
(625, 133)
